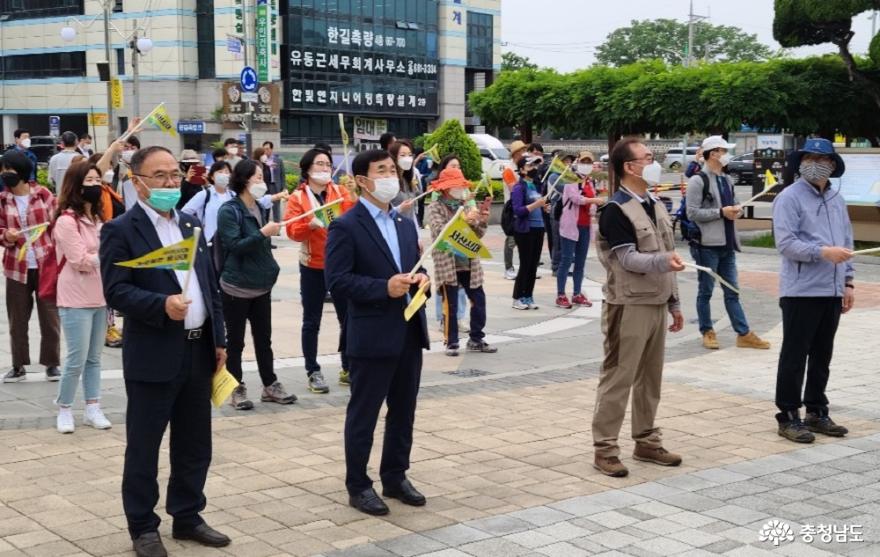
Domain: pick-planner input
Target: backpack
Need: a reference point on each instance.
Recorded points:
(218, 254)
(507, 218)
(690, 232)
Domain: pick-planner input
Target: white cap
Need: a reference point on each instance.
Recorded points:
(716, 142)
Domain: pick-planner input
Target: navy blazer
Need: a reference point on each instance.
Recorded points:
(357, 266)
(152, 343)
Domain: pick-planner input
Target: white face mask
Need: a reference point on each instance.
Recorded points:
(405, 163)
(258, 190)
(126, 156)
(320, 178)
(26, 143)
(429, 163)
(221, 180)
(233, 151)
(459, 193)
(108, 177)
(385, 189)
(651, 173)
(264, 159)
(584, 169)
(725, 159)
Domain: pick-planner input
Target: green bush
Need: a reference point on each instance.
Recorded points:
(43, 178)
(451, 138)
(291, 180)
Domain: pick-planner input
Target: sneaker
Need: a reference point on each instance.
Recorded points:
(821, 423)
(317, 384)
(15, 375)
(480, 346)
(510, 274)
(581, 300)
(793, 428)
(657, 455)
(239, 399)
(520, 304)
(344, 378)
(610, 466)
(531, 302)
(53, 373)
(562, 302)
(452, 350)
(64, 422)
(94, 417)
(751, 340)
(710, 340)
(276, 393)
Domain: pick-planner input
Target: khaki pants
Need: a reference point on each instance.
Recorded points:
(635, 338)
(19, 306)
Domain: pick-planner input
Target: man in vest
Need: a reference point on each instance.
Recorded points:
(636, 247)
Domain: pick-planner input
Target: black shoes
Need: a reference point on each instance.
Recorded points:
(15, 375)
(405, 493)
(149, 545)
(368, 501)
(822, 423)
(792, 428)
(204, 535)
(53, 373)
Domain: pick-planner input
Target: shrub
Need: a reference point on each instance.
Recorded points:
(451, 138)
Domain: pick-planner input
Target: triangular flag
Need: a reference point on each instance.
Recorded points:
(417, 302)
(177, 257)
(434, 153)
(461, 239)
(31, 236)
(769, 179)
(222, 385)
(161, 120)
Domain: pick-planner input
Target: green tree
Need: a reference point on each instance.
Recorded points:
(667, 39)
(451, 138)
(511, 61)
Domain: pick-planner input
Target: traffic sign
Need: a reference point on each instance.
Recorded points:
(54, 125)
(249, 97)
(249, 80)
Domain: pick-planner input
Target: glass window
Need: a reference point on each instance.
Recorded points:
(37, 66)
(205, 36)
(479, 40)
(120, 61)
(30, 9)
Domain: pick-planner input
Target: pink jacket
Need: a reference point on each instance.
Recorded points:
(79, 283)
(572, 199)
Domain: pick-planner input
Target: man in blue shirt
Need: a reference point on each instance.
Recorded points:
(23, 145)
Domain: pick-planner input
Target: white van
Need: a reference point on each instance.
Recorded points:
(493, 153)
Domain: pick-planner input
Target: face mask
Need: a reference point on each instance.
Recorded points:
(264, 159)
(320, 178)
(725, 159)
(585, 169)
(533, 174)
(816, 172)
(221, 180)
(429, 163)
(233, 151)
(91, 194)
(10, 179)
(126, 156)
(386, 189)
(459, 193)
(651, 173)
(258, 190)
(26, 143)
(164, 199)
(405, 163)
(108, 177)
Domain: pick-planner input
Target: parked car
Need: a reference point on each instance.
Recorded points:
(494, 154)
(672, 158)
(742, 169)
(44, 146)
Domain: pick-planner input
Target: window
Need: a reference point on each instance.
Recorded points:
(30, 9)
(205, 38)
(117, 6)
(479, 40)
(39, 66)
(120, 61)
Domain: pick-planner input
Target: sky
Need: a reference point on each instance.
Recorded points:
(563, 34)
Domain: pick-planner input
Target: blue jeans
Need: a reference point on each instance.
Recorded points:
(723, 262)
(462, 305)
(577, 252)
(84, 330)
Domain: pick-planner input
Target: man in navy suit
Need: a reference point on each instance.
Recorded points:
(370, 251)
(173, 342)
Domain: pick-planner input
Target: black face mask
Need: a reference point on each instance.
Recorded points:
(91, 194)
(10, 179)
(533, 174)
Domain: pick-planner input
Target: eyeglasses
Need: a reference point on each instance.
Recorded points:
(649, 158)
(322, 164)
(163, 177)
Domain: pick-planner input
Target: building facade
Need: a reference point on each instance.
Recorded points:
(401, 65)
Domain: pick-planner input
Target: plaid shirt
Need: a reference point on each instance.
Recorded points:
(438, 214)
(41, 208)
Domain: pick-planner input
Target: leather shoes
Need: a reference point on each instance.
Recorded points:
(149, 544)
(405, 493)
(204, 535)
(368, 501)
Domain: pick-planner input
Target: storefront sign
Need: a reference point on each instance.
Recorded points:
(262, 29)
(266, 109)
(190, 127)
(369, 129)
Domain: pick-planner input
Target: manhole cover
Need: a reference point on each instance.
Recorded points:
(468, 373)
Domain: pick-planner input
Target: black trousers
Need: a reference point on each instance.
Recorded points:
(551, 240)
(374, 380)
(185, 403)
(450, 309)
(528, 246)
(808, 329)
(312, 288)
(237, 312)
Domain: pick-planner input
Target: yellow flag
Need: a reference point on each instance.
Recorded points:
(461, 239)
(176, 257)
(31, 235)
(162, 121)
(434, 153)
(567, 176)
(222, 385)
(769, 180)
(342, 129)
(417, 302)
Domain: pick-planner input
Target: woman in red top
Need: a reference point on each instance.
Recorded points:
(574, 231)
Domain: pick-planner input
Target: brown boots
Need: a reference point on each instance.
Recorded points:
(611, 465)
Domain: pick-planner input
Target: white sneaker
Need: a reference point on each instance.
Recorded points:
(510, 274)
(64, 422)
(520, 304)
(95, 417)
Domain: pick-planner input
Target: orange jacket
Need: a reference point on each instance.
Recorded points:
(311, 253)
(107, 197)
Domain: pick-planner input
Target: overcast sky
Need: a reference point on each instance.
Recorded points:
(563, 34)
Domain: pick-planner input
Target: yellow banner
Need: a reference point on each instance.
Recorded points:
(176, 257)
(31, 235)
(222, 385)
(160, 119)
(116, 93)
(461, 239)
(417, 302)
(98, 119)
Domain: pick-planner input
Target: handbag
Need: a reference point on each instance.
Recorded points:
(47, 278)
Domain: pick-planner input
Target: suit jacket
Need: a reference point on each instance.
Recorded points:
(153, 344)
(357, 266)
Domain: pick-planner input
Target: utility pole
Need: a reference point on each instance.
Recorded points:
(873, 24)
(111, 125)
(689, 56)
(249, 114)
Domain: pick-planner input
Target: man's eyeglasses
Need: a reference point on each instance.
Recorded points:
(163, 177)
(647, 158)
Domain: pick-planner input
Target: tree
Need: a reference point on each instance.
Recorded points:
(667, 39)
(511, 61)
(451, 138)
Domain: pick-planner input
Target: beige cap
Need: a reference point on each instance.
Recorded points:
(516, 147)
(586, 155)
(189, 155)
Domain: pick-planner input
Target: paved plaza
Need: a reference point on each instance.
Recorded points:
(502, 446)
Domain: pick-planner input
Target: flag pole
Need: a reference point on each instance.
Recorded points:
(197, 232)
(427, 252)
(140, 124)
(551, 188)
(550, 168)
(311, 212)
